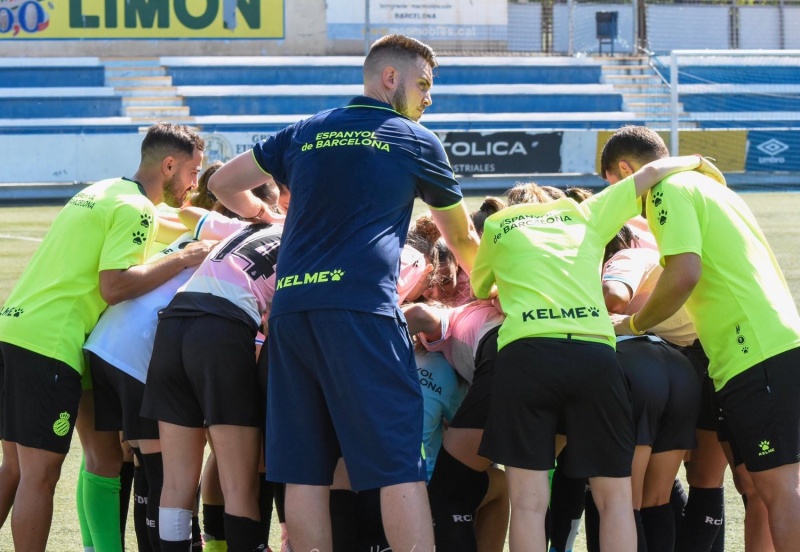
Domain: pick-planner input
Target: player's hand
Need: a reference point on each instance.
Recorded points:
(621, 324)
(195, 252)
(710, 170)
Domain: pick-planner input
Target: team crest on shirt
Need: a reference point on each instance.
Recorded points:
(61, 426)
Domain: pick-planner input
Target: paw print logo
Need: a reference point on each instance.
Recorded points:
(658, 197)
(594, 312)
(146, 220)
(745, 350)
(740, 339)
(764, 445)
(662, 217)
(139, 238)
(17, 312)
(337, 274)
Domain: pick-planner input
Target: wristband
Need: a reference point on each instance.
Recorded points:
(633, 328)
(257, 218)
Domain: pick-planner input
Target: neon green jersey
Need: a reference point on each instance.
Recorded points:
(742, 308)
(56, 302)
(546, 261)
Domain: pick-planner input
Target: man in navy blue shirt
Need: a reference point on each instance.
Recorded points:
(342, 379)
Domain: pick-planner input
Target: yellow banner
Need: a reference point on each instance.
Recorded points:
(728, 148)
(149, 19)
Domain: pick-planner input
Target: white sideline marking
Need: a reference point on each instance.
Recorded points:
(23, 238)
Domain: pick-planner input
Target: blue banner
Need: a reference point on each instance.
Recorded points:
(773, 150)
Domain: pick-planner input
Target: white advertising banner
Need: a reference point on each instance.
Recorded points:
(427, 20)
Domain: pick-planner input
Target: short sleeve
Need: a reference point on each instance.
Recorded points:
(673, 220)
(270, 154)
(609, 209)
(482, 276)
(437, 185)
(128, 240)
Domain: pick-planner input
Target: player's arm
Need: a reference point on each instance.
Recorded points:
(617, 296)
(170, 228)
(120, 285)
(656, 171)
(456, 228)
(675, 285)
(424, 319)
(232, 184)
(190, 216)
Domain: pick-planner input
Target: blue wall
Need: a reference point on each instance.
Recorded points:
(33, 77)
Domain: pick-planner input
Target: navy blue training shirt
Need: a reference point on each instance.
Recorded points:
(353, 173)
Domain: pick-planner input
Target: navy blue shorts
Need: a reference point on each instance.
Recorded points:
(343, 383)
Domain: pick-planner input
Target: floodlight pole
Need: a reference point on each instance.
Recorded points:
(367, 30)
(673, 88)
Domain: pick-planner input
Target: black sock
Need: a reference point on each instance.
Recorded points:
(455, 492)
(266, 493)
(371, 535)
(214, 521)
(344, 523)
(567, 502)
(175, 546)
(719, 542)
(154, 468)
(244, 534)
(140, 492)
(279, 491)
(678, 499)
(641, 541)
(197, 534)
(125, 485)
(591, 522)
(701, 521)
(659, 528)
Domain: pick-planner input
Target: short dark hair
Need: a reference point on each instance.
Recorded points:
(396, 48)
(637, 143)
(164, 139)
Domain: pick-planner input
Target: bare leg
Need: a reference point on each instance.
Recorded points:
(407, 517)
(308, 517)
(462, 444)
(612, 495)
(530, 493)
(491, 519)
(706, 468)
(182, 453)
(661, 471)
(757, 536)
(9, 479)
(101, 448)
(641, 457)
(33, 505)
(237, 450)
(779, 488)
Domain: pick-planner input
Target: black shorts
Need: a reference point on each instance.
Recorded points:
(761, 411)
(708, 417)
(665, 393)
(118, 402)
(475, 407)
(39, 399)
(203, 372)
(538, 383)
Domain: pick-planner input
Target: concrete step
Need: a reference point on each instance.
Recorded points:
(139, 81)
(139, 91)
(625, 69)
(178, 120)
(131, 62)
(156, 101)
(137, 72)
(630, 77)
(662, 97)
(166, 112)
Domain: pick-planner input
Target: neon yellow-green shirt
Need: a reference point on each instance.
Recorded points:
(742, 308)
(56, 302)
(546, 261)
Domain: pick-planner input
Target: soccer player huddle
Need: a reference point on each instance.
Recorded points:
(443, 383)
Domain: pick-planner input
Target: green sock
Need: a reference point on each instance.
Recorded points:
(86, 535)
(101, 504)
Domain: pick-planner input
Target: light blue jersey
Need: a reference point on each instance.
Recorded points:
(442, 395)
